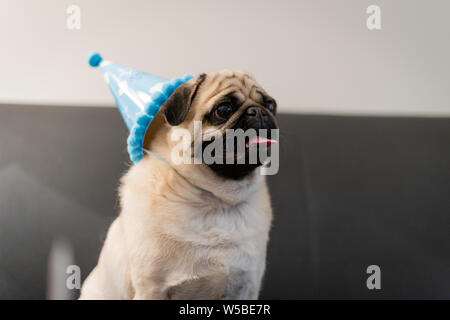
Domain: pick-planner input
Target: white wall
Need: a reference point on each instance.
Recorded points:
(313, 56)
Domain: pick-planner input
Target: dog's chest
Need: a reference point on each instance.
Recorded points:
(238, 227)
(227, 245)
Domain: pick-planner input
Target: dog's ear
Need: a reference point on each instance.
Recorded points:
(177, 106)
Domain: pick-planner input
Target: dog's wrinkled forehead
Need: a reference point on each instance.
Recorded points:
(240, 86)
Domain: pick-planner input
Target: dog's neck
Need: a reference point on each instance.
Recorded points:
(229, 191)
(186, 182)
(201, 181)
(199, 177)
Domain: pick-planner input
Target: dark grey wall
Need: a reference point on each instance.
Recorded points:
(351, 192)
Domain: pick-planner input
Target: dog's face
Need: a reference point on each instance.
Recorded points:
(220, 101)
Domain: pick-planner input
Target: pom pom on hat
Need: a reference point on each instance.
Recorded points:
(94, 59)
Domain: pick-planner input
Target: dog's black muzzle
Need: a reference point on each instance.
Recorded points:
(256, 117)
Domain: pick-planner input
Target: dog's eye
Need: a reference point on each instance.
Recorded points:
(270, 104)
(223, 111)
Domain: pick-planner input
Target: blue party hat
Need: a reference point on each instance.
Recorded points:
(138, 96)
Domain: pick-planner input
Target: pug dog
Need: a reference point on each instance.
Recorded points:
(192, 230)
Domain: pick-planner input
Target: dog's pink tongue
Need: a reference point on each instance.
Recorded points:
(261, 140)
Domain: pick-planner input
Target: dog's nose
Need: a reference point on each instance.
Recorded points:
(255, 117)
(253, 111)
(256, 113)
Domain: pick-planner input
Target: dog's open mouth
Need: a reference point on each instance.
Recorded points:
(260, 141)
(253, 144)
(240, 152)
(235, 150)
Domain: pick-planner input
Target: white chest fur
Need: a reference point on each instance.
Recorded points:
(191, 245)
(223, 244)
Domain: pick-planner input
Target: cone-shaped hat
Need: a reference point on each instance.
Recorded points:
(138, 96)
